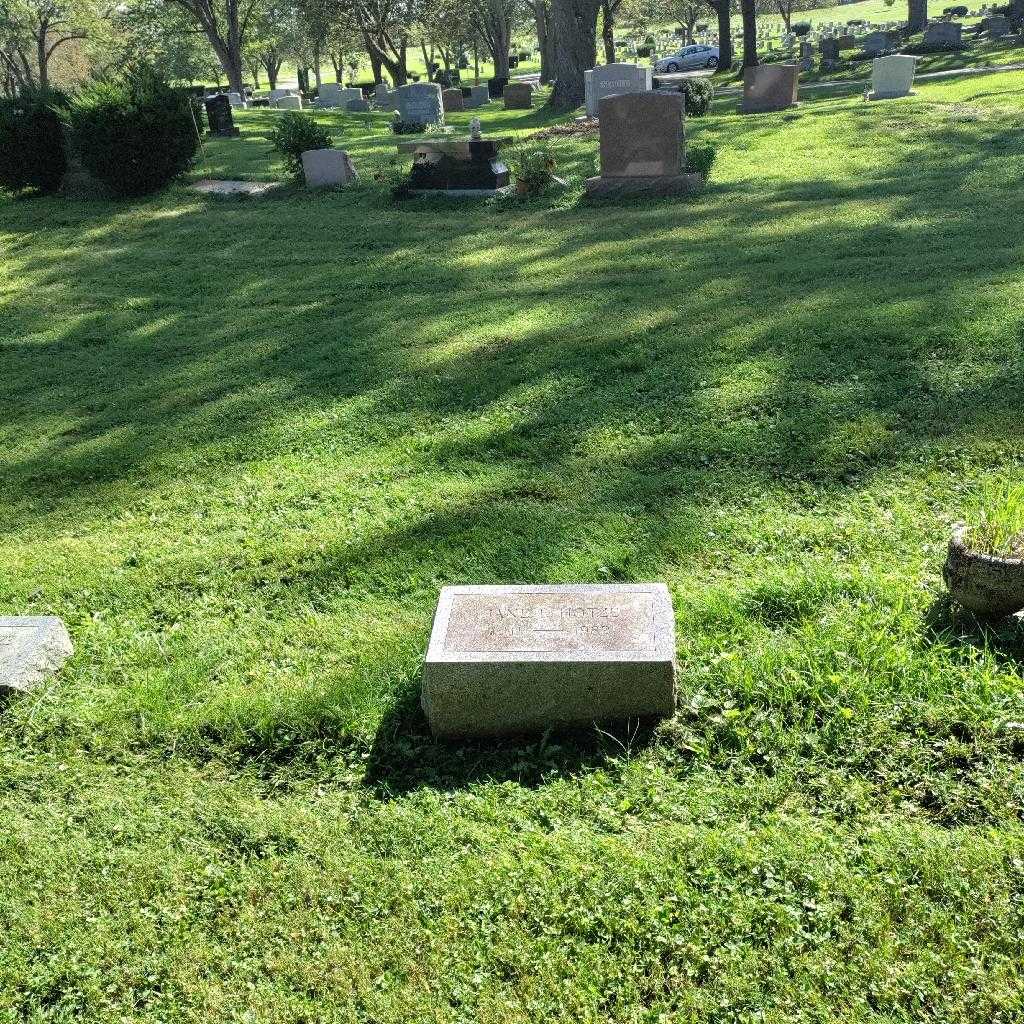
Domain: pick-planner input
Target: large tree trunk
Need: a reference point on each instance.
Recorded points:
(575, 25)
(724, 35)
(749, 10)
(316, 67)
(545, 37)
(608, 31)
(917, 15)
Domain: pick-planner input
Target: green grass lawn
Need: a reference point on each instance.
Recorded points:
(244, 443)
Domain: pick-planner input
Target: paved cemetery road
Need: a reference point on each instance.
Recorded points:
(854, 84)
(859, 83)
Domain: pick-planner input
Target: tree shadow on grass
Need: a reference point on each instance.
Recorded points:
(405, 755)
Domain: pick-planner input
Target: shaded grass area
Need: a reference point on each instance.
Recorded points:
(244, 444)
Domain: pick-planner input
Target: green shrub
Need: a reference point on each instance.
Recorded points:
(700, 159)
(32, 153)
(134, 133)
(294, 134)
(400, 127)
(532, 166)
(697, 96)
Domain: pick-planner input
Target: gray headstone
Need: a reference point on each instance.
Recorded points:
(943, 33)
(518, 96)
(420, 103)
(613, 80)
(333, 95)
(519, 658)
(32, 647)
(327, 168)
(288, 103)
(478, 96)
(876, 42)
(770, 87)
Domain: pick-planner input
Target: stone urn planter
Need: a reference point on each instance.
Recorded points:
(985, 584)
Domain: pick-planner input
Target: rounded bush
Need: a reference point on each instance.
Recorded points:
(32, 153)
(294, 134)
(801, 28)
(697, 96)
(134, 133)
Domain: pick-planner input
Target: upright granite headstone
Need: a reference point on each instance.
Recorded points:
(333, 95)
(611, 80)
(524, 658)
(997, 25)
(420, 103)
(327, 168)
(769, 87)
(518, 96)
(475, 96)
(642, 146)
(846, 42)
(829, 48)
(496, 86)
(237, 100)
(892, 77)
(943, 34)
(452, 101)
(218, 114)
(32, 647)
(289, 102)
(359, 106)
(876, 43)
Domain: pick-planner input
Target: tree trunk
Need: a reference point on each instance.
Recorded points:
(542, 18)
(608, 31)
(476, 64)
(575, 24)
(316, 67)
(917, 16)
(724, 36)
(42, 57)
(375, 68)
(749, 10)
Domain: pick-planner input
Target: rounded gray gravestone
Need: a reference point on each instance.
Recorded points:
(32, 647)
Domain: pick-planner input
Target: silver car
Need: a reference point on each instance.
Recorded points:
(689, 58)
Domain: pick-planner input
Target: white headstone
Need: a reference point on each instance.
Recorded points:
(235, 99)
(288, 103)
(32, 647)
(892, 77)
(509, 659)
(612, 80)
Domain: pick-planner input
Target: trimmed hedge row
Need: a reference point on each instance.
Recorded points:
(134, 134)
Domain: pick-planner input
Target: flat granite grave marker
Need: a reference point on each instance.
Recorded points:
(32, 647)
(769, 87)
(522, 658)
(892, 77)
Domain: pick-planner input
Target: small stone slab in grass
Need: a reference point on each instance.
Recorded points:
(215, 187)
(510, 659)
(32, 647)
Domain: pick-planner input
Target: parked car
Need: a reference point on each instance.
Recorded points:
(688, 59)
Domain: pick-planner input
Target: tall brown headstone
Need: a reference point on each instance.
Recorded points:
(452, 100)
(642, 146)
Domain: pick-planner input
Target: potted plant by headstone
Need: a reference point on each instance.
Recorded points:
(984, 569)
(532, 168)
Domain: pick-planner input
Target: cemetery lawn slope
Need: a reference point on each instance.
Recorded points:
(244, 444)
